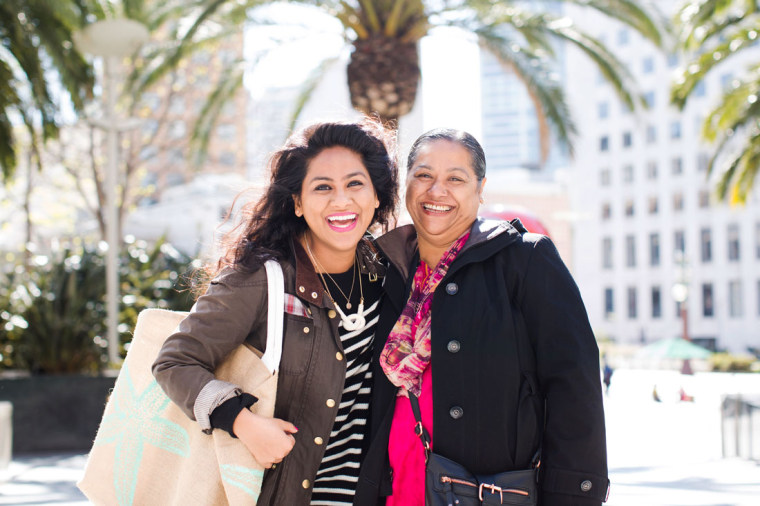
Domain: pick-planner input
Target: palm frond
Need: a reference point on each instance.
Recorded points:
(228, 85)
(649, 22)
(608, 64)
(546, 93)
(308, 87)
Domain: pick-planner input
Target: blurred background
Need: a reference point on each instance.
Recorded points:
(626, 130)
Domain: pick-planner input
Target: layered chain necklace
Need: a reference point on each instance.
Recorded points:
(353, 321)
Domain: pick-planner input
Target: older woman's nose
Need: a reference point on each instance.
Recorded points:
(438, 188)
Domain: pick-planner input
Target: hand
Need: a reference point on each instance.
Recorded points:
(268, 439)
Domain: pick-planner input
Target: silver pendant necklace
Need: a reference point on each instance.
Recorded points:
(350, 322)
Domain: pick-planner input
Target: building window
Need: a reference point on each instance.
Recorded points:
(675, 130)
(651, 134)
(609, 303)
(629, 208)
(606, 211)
(627, 139)
(672, 60)
(733, 242)
(604, 110)
(708, 305)
(228, 159)
(604, 143)
(705, 245)
(725, 81)
(735, 309)
(628, 173)
(647, 65)
(651, 169)
(704, 199)
(653, 205)
(630, 251)
(177, 129)
(174, 179)
(632, 310)
(605, 177)
(679, 242)
(676, 166)
(700, 89)
(654, 249)
(622, 37)
(226, 131)
(177, 105)
(702, 160)
(607, 253)
(649, 99)
(656, 302)
(678, 202)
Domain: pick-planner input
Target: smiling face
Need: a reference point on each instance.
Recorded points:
(442, 196)
(338, 202)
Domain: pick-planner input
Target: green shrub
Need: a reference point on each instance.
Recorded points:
(726, 362)
(52, 316)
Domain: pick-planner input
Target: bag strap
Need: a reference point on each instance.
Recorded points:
(420, 429)
(275, 311)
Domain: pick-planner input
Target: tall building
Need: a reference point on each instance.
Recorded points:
(649, 231)
(510, 126)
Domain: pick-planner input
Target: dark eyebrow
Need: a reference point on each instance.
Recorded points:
(348, 176)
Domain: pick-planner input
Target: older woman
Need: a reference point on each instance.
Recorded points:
(486, 327)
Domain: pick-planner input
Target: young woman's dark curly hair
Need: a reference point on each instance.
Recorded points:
(268, 225)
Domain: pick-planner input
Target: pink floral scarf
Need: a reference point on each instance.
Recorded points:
(407, 351)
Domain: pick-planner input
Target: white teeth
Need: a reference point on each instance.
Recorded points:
(341, 217)
(433, 207)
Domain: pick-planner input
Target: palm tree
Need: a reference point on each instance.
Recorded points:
(37, 58)
(713, 31)
(383, 72)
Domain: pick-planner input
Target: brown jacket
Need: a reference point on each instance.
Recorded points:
(312, 370)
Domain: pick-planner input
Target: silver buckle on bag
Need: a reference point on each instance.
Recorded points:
(493, 489)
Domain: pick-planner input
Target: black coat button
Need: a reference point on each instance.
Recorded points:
(453, 346)
(452, 288)
(456, 412)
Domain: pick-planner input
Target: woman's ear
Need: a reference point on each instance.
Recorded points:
(482, 185)
(297, 205)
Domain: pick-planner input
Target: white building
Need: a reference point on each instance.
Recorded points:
(640, 184)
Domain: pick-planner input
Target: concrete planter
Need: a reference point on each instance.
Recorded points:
(55, 413)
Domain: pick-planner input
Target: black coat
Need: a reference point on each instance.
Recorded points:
(511, 349)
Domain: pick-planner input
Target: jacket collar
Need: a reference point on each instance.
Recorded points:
(400, 244)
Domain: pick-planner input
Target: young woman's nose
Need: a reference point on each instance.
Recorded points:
(341, 197)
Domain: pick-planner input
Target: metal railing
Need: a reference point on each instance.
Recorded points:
(740, 426)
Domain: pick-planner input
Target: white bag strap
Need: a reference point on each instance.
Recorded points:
(276, 309)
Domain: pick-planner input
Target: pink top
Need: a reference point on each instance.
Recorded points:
(405, 449)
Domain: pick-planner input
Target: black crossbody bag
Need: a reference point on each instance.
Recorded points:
(450, 484)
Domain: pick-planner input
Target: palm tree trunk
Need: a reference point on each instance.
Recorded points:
(383, 76)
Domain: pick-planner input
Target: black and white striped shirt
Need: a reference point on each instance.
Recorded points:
(338, 473)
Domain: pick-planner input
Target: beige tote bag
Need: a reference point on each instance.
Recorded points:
(148, 452)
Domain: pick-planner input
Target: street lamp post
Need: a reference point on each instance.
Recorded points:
(681, 292)
(111, 39)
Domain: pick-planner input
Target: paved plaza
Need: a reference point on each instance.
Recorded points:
(660, 453)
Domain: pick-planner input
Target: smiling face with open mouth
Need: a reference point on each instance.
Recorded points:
(338, 202)
(442, 196)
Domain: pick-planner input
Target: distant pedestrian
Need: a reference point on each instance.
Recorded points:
(608, 370)
(655, 395)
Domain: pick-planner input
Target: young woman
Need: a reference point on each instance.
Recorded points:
(329, 184)
(487, 328)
